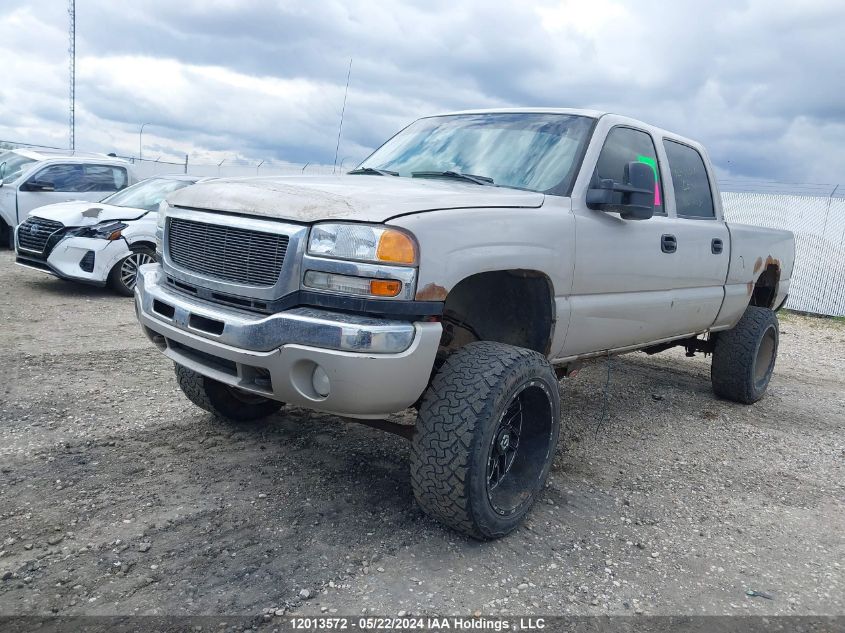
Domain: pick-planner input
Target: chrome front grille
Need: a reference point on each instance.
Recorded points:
(231, 254)
(34, 233)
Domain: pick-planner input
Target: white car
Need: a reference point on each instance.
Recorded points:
(33, 178)
(101, 243)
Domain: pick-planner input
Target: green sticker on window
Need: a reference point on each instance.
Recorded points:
(651, 162)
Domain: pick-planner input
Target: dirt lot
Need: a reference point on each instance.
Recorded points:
(117, 496)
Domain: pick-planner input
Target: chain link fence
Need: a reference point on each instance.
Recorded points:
(818, 222)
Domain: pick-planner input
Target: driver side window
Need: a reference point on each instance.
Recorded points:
(61, 177)
(625, 145)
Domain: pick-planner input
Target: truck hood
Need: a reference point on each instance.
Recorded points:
(85, 213)
(363, 198)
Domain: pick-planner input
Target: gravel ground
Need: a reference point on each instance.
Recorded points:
(117, 496)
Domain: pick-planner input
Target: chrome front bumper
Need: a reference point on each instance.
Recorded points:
(301, 326)
(375, 366)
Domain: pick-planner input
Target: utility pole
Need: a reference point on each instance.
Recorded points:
(140, 145)
(71, 9)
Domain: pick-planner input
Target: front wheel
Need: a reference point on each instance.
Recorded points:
(7, 235)
(744, 357)
(485, 438)
(221, 400)
(124, 274)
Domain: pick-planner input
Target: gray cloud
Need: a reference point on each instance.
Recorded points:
(760, 83)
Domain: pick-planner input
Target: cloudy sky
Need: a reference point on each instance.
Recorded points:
(761, 83)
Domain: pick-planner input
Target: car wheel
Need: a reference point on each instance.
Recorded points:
(7, 235)
(224, 402)
(485, 438)
(124, 274)
(744, 356)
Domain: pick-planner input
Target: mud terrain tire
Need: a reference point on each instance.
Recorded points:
(465, 427)
(744, 357)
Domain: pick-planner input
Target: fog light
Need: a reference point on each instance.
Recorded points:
(320, 381)
(352, 285)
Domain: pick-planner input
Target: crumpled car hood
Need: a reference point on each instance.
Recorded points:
(85, 213)
(360, 198)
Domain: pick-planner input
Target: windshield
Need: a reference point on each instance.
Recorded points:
(11, 166)
(531, 151)
(146, 194)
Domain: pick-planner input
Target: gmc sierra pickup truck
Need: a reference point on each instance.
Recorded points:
(466, 266)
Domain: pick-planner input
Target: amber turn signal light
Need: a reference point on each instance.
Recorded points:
(396, 247)
(385, 287)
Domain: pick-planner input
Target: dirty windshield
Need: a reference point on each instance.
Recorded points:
(534, 151)
(147, 194)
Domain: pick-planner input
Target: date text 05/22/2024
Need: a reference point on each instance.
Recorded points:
(418, 623)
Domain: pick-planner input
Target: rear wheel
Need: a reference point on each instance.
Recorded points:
(744, 357)
(485, 438)
(124, 274)
(223, 401)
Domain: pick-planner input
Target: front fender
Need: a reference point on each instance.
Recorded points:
(459, 243)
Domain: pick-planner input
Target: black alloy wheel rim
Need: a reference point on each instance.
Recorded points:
(520, 448)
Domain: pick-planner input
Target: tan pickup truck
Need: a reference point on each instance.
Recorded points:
(462, 269)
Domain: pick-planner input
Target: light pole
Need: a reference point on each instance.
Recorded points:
(140, 146)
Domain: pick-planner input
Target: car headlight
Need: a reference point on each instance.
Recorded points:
(160, 219)
(362, 242)
(104, 230)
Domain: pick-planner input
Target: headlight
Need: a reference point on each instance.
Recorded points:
(104, 230)
(160, 217)
(362, 242)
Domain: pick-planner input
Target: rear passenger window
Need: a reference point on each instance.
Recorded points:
(693, 198)
(104, 178)
(625, 145)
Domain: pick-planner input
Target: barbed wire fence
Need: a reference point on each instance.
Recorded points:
(814, 212)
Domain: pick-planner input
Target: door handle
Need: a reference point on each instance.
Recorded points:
(668, 243)
(716, 246)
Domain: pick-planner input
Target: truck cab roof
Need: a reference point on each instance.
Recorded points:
(618, 119)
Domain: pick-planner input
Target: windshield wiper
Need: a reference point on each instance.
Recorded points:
(373, 171)
(478, 180)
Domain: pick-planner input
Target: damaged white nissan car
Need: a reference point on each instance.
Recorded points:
(101, 243)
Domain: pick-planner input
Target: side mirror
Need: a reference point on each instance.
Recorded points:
(633, 199)
(38, 185)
